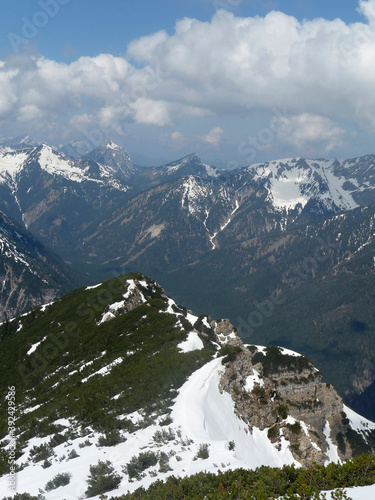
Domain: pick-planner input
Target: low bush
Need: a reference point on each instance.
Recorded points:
(203, 452)
(111, 438)
(59, 480)
(140, 463)
(102, 478)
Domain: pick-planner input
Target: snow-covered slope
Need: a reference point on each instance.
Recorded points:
(295, 181)
(204, 427)
(14, 161)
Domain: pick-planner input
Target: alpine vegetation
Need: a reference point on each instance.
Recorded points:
(117, 386)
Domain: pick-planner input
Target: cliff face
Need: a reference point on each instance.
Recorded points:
(281, 391)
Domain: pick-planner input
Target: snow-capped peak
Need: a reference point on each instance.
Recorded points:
(109, 144)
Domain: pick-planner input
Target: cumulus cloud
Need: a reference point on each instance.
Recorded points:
(307, 131)
(228, 67)
(213, 138)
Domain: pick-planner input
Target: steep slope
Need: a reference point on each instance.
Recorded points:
(30, 274)
(54, 196)
(193, 209)
(189, 165)
(115, 158)
(310, 287)
(81, 207)
(119, 372)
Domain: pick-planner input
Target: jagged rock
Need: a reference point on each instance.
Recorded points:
(223, 327)
(283, 392)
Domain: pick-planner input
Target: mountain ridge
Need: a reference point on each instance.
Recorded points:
(144, 377)
(221, 229)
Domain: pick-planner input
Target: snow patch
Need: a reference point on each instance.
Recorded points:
(44, 307)
(34, 347)
(358, 423)
(193, 343)
(251, 380)
(94, 286)
(332, 452)
(288, 352)
(105, 370)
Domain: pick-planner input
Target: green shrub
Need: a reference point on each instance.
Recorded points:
(164, 463)
(164, 436)
(59, 480)
(42, 452)
(264, 483)
(140, 463)
(283, 411)
(166, 421)
(274, 361)
(84, 444)
(24, 496)
(111, 438)
(72, 454)
(273, 433)
(260, 393)
(296, 428)
(229, 352)
(57, 439)
(102, 478)
(203, 452)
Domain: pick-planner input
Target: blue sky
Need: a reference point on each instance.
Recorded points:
(91, 27)
(236, 81)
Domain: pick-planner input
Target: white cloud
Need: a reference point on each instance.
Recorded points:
(213, 138)
(367, 8)
(308, 131)
(229, 67)
(175, 140)
(151, 112)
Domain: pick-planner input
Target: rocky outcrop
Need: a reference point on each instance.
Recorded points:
(282, 392)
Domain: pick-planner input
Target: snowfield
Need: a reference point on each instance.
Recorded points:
(201, 415)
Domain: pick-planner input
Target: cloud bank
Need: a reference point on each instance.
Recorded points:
(322, 72)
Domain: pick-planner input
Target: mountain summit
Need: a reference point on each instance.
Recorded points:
(115, 157)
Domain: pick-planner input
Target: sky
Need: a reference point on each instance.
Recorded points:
(236, 81)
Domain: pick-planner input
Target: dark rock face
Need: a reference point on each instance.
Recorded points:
(282, 393)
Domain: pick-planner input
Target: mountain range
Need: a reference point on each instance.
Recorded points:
(284, 249)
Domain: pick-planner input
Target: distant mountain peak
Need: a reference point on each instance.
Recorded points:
(114, 157)
(18, 142)
(109, 144)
